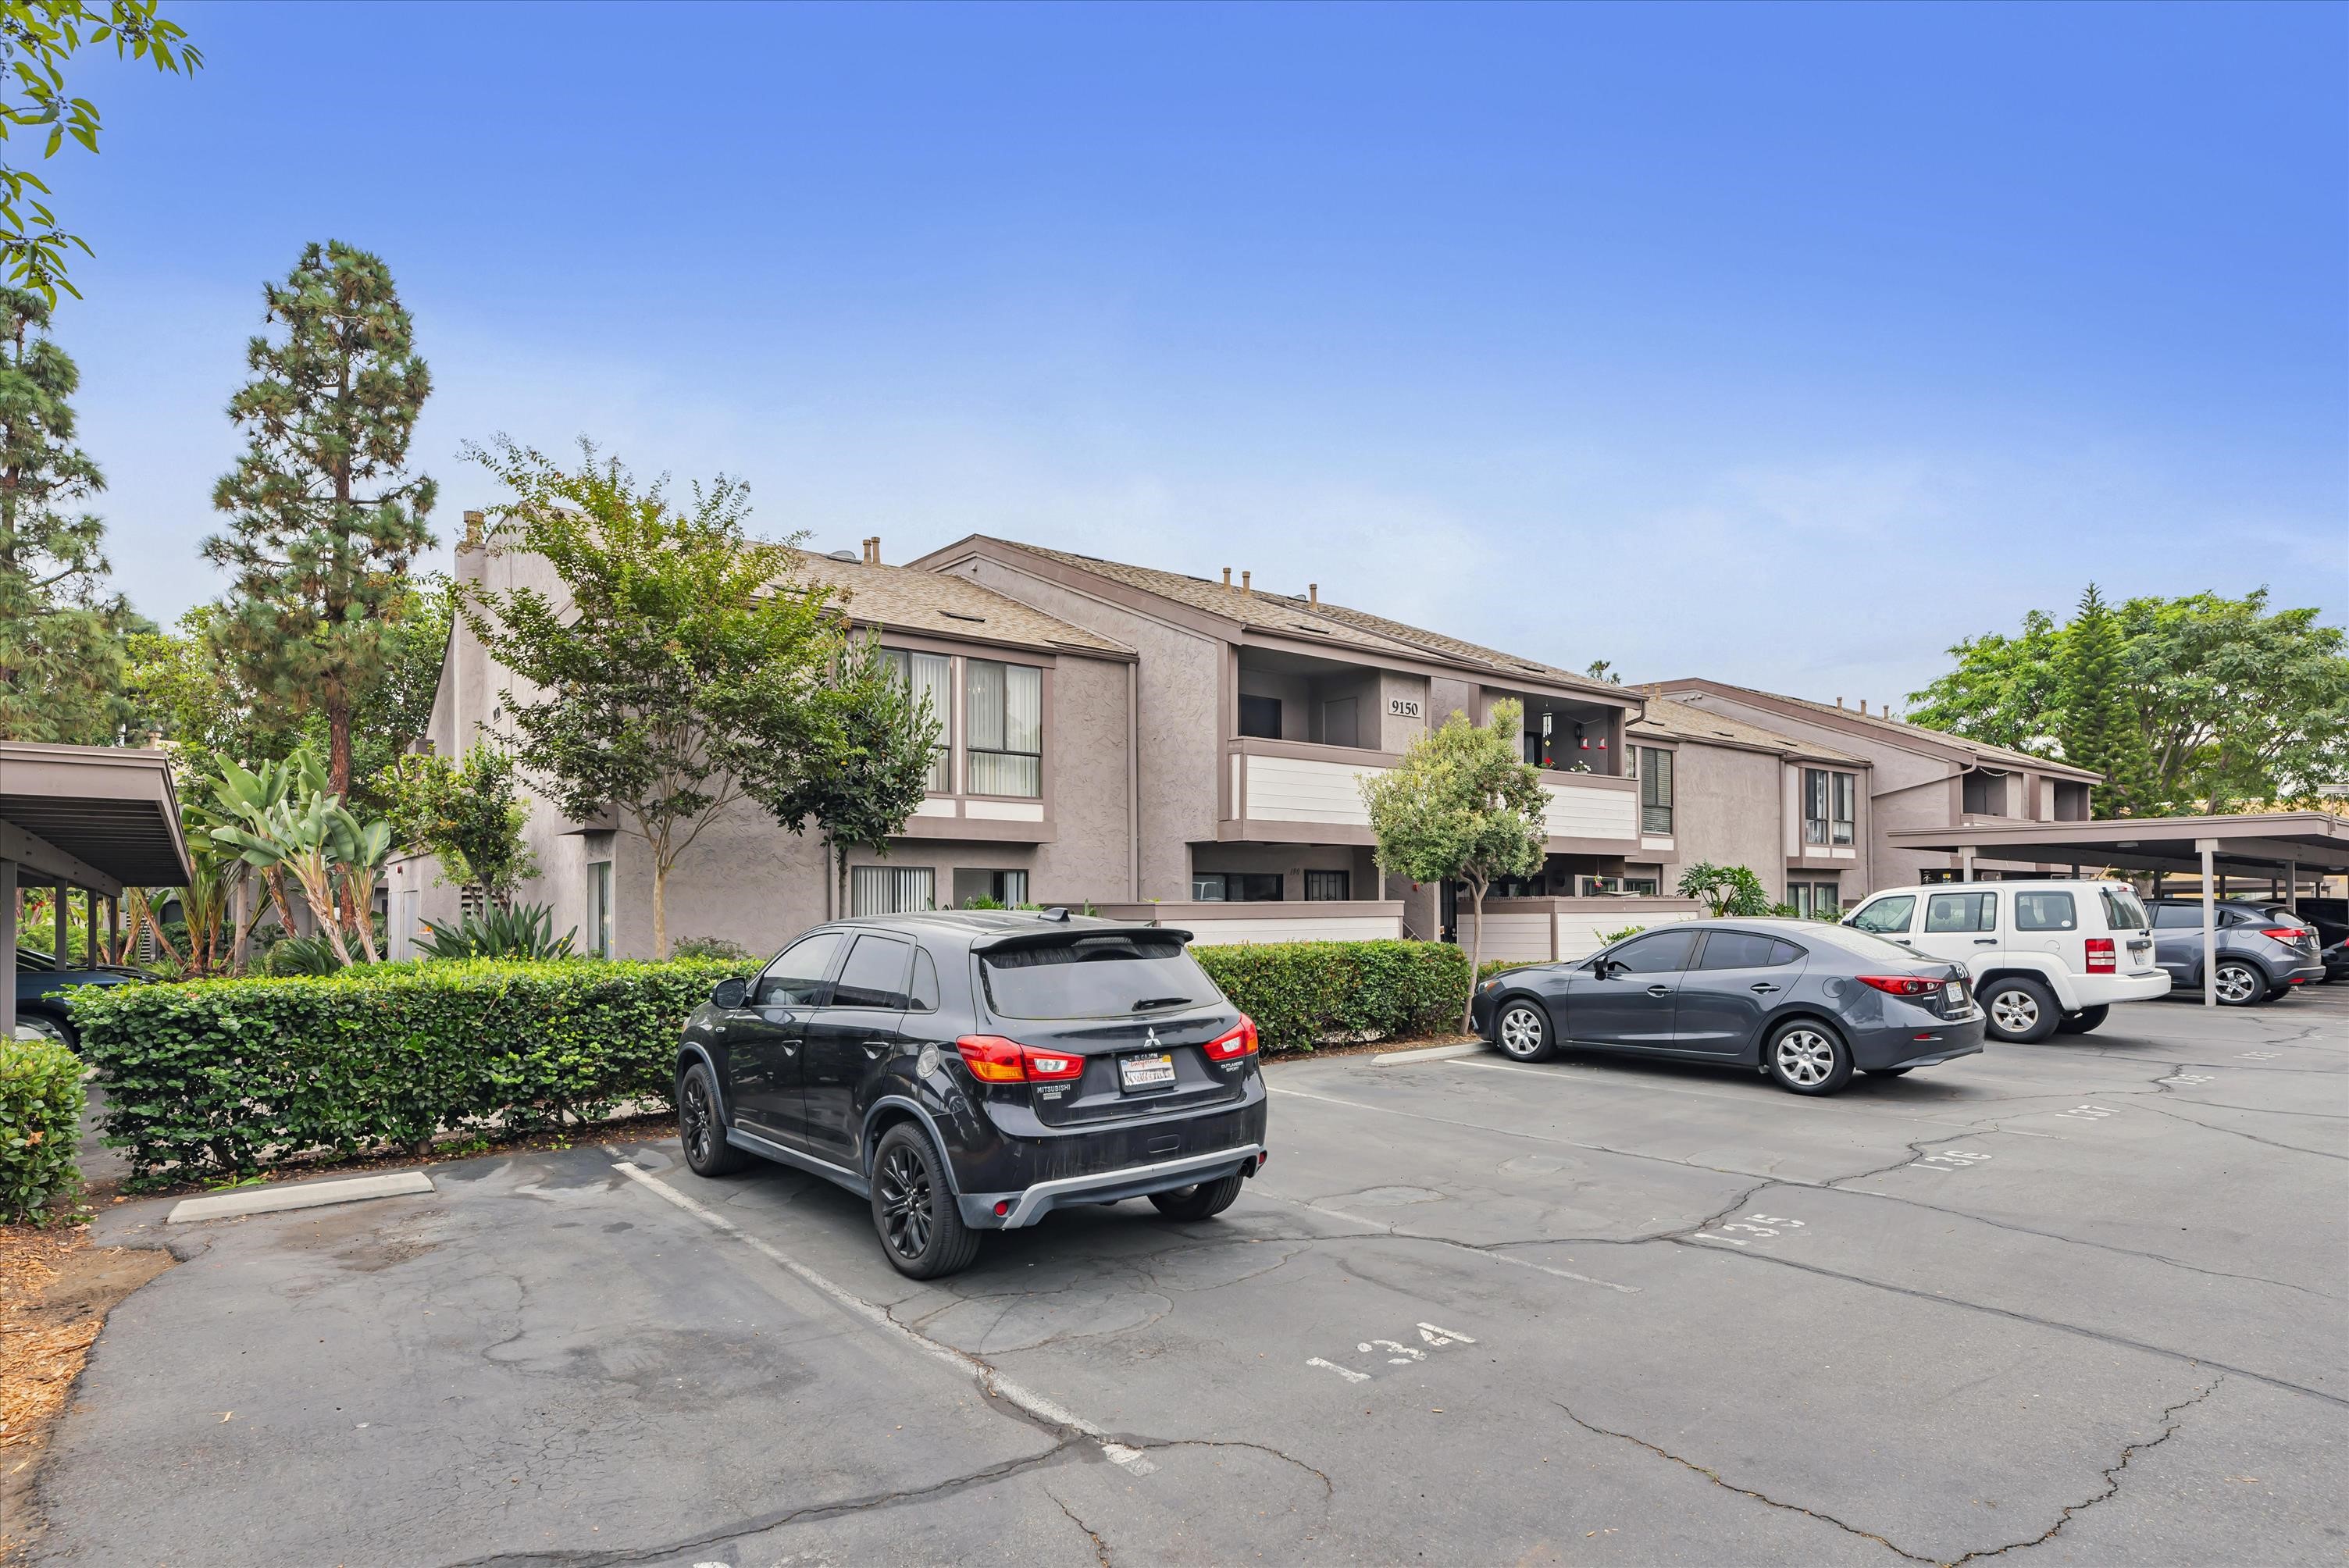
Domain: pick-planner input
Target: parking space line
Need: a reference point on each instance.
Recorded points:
(989, 1379)
(1402, 1235)
(1603, 1081)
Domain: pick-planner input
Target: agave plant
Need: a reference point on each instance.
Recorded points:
(524, 933)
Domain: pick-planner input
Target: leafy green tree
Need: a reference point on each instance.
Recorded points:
(38, 37)
(680, 670)
(2232, 702)
(61, 627)
(870, 766)
(1726, 890)
(1463, 805)
(325, 517)
(2097, 723)
(468, 815)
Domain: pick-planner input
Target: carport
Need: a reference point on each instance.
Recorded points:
(91, 817)
(2281, 847)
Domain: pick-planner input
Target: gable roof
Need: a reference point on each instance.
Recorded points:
(1678, 721)
(1287, 615)
(1914, 736)
(906, 599)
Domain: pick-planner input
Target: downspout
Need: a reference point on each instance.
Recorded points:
(1134, 782)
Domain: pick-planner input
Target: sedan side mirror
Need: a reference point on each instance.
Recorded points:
(728, 994)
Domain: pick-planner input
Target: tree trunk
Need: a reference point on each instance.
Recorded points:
(1475, 957)
(839, 881)
(240, 953)
(660, 908)
(338, 745)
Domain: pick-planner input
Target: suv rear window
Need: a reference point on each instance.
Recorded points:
(1095, 977)
(2122, 910)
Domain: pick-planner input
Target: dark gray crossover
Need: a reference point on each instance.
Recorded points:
(2263, 950)
(1801, 1000)
(973, 1071)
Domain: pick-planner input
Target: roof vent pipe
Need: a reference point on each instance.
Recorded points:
(1228, 579)
(1862, 705)
(1244, 582)
(1313, 592)
(873, 550)
(1838, 702)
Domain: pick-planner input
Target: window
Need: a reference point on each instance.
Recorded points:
(1328, 887)
(1983, 794)
(1816, 898)
(874, 975)
(2122, 910)
(795, 979)
(1006, 888)
(1887, 916)
(1636, 882)
(1004, 713)
(2177, 916)
(1655, 790)
(892, 890)
(930, 675)
(2045, 911)
(1095, 977)
(925, 990)
(1829, 806)
(599, 908)
(1961, 912)
(1236, 887)
(1747, 950)
(1260, 716)
(1665, 952)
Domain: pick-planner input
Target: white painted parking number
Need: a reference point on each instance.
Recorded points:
(1949, 1160)
(1397, 1353)
(1756, 1228)
(2190, 1079)
(2089, 1112)
(2255, 1056)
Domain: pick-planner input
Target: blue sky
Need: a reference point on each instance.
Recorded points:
(1782, 346)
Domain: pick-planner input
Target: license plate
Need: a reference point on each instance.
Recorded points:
(1955, 991)
(1155, 1071)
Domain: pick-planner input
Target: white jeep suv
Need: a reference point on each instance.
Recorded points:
(2045, 956)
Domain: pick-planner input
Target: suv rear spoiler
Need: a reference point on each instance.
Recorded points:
(1052, 934)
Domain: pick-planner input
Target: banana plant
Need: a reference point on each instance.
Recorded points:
(285, 822)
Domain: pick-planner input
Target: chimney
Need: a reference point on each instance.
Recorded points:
(1313, 592)
(873, 550)
(1862, 705)
(473, 521)
(1244, 582)
(1228, 579)
(1838, 702)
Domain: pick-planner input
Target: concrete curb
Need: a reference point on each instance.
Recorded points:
(299, 1195)
(1429, 1053)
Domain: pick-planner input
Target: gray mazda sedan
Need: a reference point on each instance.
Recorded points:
(1801, 1000)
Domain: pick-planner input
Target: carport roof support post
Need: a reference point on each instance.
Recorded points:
(8, 948)
(2208, 848)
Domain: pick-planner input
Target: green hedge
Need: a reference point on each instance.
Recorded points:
(237, 1075)
(40, 1125)
(1304, 994)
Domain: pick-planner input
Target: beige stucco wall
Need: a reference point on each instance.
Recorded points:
(1726, 810)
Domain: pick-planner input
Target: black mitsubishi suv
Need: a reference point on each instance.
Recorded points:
(972, 1071)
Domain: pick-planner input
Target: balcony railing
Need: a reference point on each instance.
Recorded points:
(1290, 789)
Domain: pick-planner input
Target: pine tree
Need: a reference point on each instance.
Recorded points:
(326, 519)
(2097, 724)
(61, 629)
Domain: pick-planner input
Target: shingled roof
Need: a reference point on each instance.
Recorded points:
(903, 598)
(1678, 721)
(1896, 729)
(1336, 625)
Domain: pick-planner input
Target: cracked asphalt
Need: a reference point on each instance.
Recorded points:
(2084, 1302)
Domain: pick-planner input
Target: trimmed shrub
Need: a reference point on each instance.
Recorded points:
(238, 1074)
(1307, 994)
(40, 1125)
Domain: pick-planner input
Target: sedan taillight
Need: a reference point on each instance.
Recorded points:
(991, 1058)
(1902, 984)
(1236, 1042)
(2101, 958)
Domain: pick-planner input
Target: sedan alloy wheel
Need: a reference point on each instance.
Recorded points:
(1805, 1057)
(1522, 1032)
(2239, 984)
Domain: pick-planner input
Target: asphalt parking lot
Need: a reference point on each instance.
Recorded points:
(2082, 1302)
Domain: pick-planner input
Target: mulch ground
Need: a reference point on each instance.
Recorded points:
(56, 1290)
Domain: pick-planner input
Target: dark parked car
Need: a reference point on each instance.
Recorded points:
(1801, 1000)
(41, 1011)
(2263, 950)
(973, 1071)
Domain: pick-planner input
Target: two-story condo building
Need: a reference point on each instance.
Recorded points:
(1919, 778)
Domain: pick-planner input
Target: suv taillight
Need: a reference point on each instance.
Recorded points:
(1239, 1041)
(2100, 956)
(1902, 984)
(991, 1058)
(2283, 933)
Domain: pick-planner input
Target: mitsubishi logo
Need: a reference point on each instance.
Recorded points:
(1150, 1036)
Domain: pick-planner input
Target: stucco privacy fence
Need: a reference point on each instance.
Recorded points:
(1546, 930)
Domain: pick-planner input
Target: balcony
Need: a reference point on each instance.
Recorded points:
(1293, 792)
